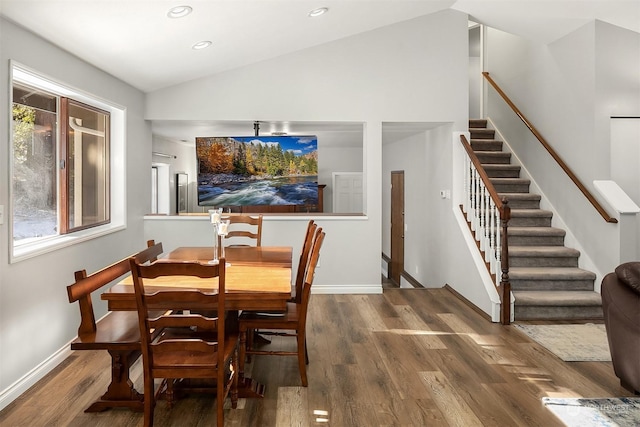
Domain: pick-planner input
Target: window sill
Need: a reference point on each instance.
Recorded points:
(33, 249)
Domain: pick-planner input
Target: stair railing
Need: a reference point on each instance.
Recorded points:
(488, 218)
(552, 152)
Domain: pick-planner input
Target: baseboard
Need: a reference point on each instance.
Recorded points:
(16, 389)
(468, 303)
(347, 289)
(410, 280)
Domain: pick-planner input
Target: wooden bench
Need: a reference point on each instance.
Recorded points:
(118, 332)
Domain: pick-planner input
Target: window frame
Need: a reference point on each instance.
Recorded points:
(20, 74)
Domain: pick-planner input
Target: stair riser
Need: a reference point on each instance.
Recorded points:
(477, 123)
(486, 145)
(551, 312)
(482, 133)
(494, 158)
(539, 261)
(511, 188)
(502, 173)
(530, 222)
(536, 240)
(524, 204)
(551, 285)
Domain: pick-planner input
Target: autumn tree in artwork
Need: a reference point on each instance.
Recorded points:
(228, 156)
(215, 158)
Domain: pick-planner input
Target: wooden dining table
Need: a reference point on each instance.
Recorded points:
(256, 278)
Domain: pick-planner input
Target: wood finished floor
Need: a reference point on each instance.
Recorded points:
(408, 357)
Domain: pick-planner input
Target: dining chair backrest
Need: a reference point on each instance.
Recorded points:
(176, 352)
(304, 259)
(241, 228)
(311, 270)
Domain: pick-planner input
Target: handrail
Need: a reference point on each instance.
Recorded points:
(552, 152)
(502, 205)
(483, 175)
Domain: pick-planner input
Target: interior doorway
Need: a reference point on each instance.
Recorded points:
(348, 192)
(396, 266)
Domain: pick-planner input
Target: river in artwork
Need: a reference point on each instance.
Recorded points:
(291, 190)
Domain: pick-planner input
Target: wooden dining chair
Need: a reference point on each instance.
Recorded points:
(292, 322)
(296, 293)
(304, 260)
(241, 228)
(189, 345)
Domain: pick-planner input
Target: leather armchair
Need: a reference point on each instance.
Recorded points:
(621, 306)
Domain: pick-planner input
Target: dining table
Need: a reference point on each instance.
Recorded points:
(256, 278)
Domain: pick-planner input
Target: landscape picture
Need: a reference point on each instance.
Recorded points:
(257, 170)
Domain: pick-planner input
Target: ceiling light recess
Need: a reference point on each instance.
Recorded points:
(202, 45)
(179, 11)
(319, 11)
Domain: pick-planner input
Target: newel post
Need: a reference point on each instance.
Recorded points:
(505, 284)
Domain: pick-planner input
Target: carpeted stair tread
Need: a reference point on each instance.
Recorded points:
(478, 123)
(502, 170)
(508, 180)
(536, 236)
(512, 185)
(546, 251)
(521, 200)
(519, 213)
(486, 145)
(481, 133)
(550, 273)
(520, 196)
(493, 157)
(558, 298)
(535, 231)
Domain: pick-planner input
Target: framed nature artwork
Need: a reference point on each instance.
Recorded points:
(257, 170)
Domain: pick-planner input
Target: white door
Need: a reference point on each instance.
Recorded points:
(347, 192)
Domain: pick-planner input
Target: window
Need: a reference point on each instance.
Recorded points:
(62, 150)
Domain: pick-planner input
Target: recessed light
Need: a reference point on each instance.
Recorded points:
(319, 11)
(179, 11)
(202, 45)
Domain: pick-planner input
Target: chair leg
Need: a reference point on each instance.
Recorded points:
(149, 402)
(234, 381)
(306, 352)
(220, 405)
(250, 335)
(301, 359)
(243, 350)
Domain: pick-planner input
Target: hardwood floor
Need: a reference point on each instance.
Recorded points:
(408, 357)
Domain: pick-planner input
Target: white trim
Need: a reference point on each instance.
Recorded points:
(14, 391)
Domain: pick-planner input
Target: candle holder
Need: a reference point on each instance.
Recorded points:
(215, 215)
(223, 229)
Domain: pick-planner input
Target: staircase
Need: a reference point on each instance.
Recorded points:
(545, 278)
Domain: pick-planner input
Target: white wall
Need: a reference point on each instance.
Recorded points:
(568, 90)
(184, 161)
(336, 159)
(414, 71)
(36, 319)
(436, 253)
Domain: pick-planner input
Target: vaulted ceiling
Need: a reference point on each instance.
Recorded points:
(137, 42)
